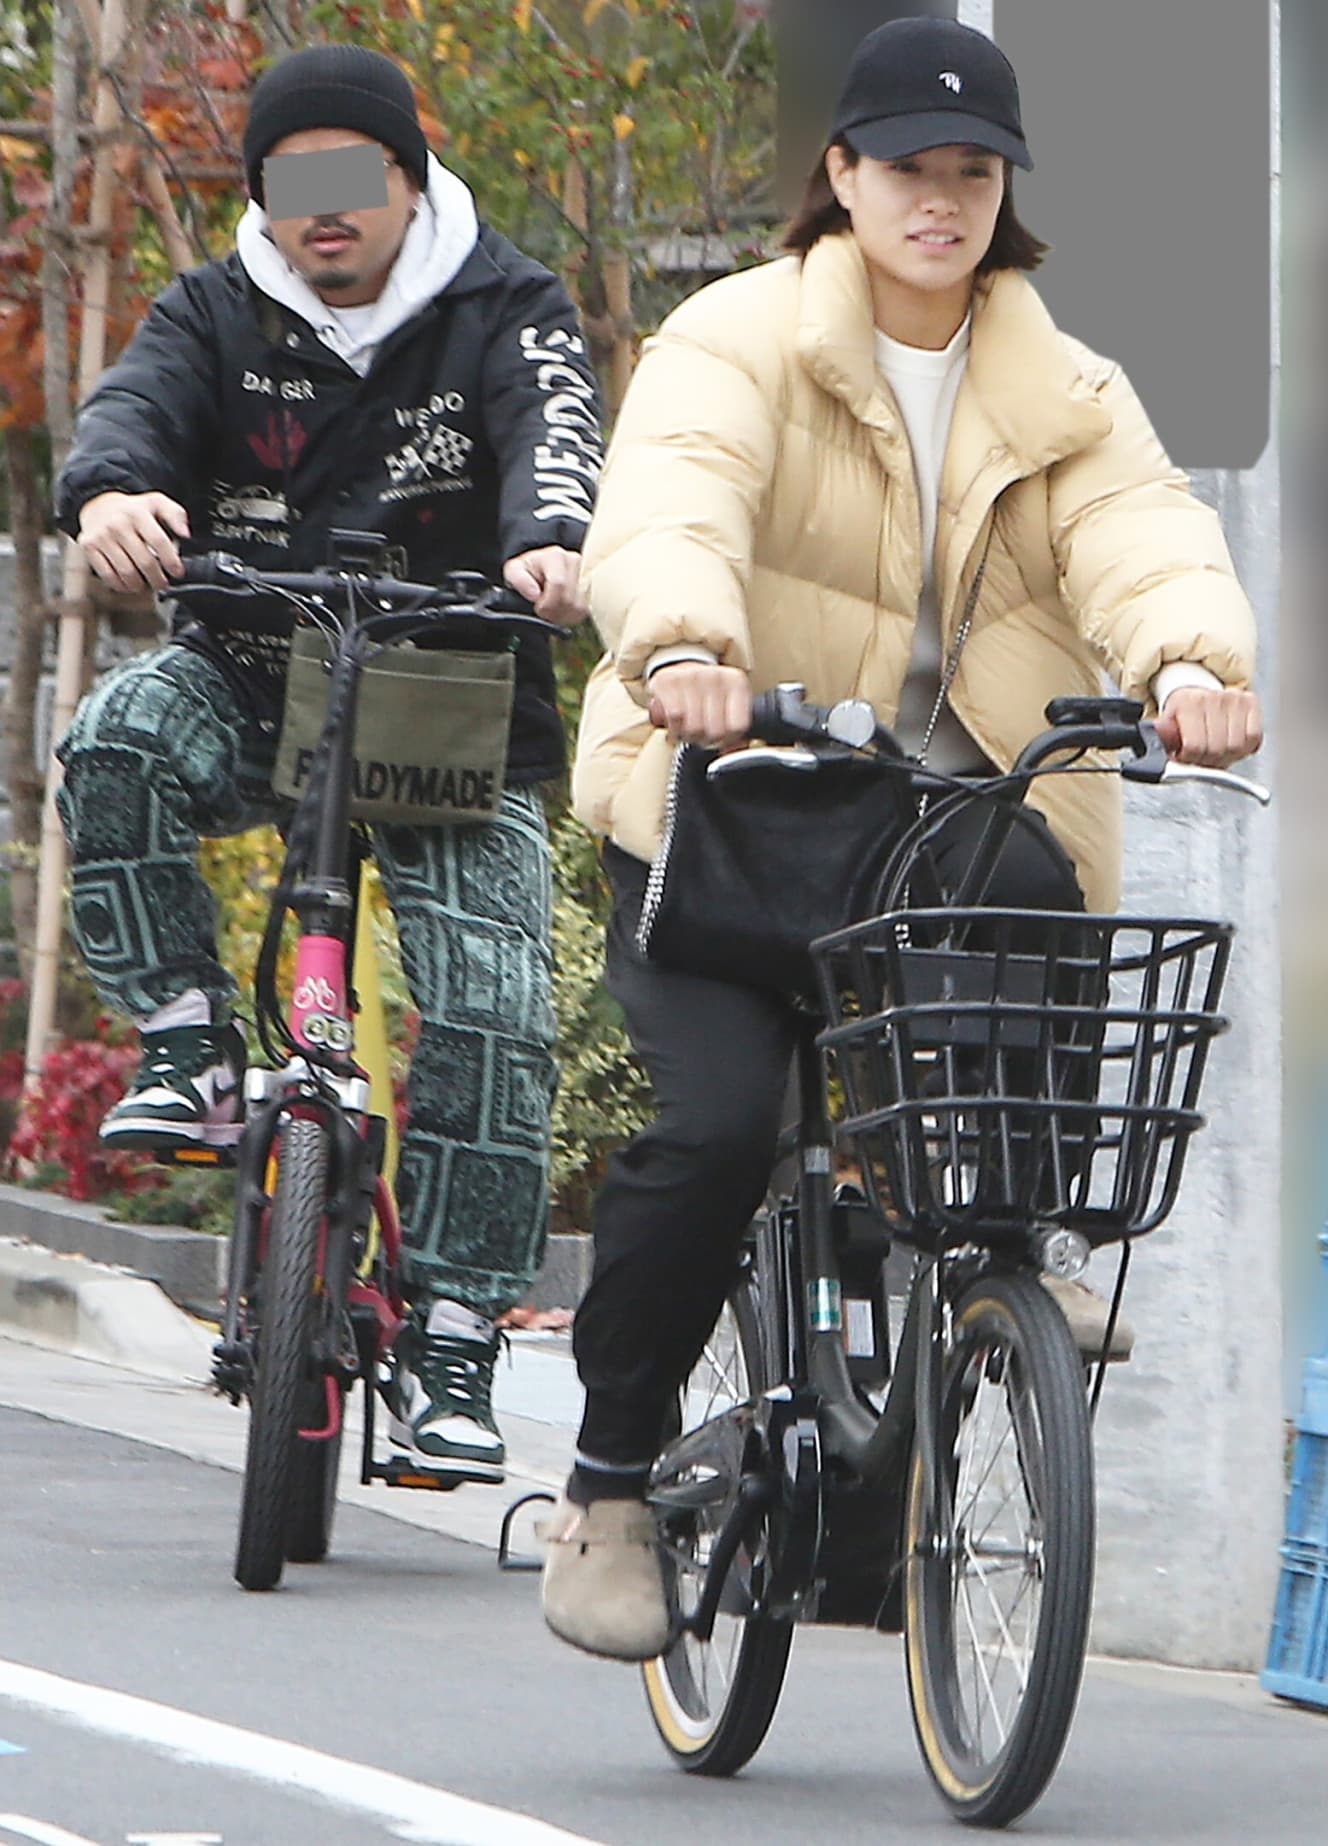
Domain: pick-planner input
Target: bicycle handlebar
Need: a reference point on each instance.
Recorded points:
(783, 716)
(461, 594)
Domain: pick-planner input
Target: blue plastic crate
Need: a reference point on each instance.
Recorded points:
(1298, 1646)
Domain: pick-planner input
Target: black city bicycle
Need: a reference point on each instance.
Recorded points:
(1018, 1088)
(314, 1297)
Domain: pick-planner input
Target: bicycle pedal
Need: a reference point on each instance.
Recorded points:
(202, 1156)
(398, 1471)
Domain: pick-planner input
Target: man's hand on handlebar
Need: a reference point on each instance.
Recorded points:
(1210, 728)
(701, 704)
(127, 539)
(549, 578)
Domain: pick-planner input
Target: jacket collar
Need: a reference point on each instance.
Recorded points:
(1014, 340)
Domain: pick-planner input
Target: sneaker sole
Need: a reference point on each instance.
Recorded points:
(460, 1467)
(149, 1132)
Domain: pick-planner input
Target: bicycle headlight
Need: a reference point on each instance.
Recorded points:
(1064, 1254)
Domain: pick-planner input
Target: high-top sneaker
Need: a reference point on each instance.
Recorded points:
(187, 1091)
(440, 1394)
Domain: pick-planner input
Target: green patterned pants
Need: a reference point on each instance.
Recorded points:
(160, 753)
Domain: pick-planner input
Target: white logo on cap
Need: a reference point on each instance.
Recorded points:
(952, 81)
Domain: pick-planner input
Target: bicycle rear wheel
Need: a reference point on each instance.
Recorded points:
(999, 1560)
(713, 1701)
(283, 1378)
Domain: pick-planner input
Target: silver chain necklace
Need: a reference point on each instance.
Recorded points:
(957, 646)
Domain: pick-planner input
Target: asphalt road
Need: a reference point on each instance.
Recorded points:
(407, 1690)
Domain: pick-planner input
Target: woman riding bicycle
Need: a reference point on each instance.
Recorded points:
(876, 467)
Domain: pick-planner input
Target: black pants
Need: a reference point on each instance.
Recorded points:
(677, 1199)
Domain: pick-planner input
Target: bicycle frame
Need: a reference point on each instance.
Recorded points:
(814, 1417)
(321, 1020)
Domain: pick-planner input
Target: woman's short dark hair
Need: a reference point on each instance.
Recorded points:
(1013, 245)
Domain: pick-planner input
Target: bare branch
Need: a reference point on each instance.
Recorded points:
(162, 153)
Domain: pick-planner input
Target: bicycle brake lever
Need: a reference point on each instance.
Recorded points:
(767, 756)
(1155, 766)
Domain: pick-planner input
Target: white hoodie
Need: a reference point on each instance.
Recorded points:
(439, 238)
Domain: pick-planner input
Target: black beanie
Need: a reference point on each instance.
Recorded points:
(334, 86)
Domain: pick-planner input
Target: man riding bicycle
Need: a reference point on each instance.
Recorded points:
(369, 356)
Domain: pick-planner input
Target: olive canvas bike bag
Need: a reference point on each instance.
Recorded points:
(431, 731)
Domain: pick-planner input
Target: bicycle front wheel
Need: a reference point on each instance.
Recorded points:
(999, 1554)
(281, 1393)
(713, 1701)
(313, 1489)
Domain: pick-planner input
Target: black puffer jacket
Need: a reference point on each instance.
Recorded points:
(473, 437)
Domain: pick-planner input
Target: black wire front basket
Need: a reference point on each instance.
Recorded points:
(1011, 1067)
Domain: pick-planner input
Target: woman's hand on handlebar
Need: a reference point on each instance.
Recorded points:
(550, 579)
(1213, 728)
(701, 704)
(127, 539)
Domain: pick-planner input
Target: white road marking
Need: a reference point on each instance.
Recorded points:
(24, 1829)
(173, 1839)
(409, 1810)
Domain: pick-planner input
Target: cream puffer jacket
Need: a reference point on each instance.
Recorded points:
(759, 502)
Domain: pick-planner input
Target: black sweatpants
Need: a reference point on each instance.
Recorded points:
(677, 1199)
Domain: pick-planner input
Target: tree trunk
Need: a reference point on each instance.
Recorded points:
(116, 46)
(22, 776)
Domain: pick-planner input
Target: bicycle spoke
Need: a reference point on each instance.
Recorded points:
(981, 1664)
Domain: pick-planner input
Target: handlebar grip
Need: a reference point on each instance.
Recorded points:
(214, 569)
(506, 601)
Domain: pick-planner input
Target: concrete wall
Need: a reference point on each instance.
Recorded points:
(1190, 1433)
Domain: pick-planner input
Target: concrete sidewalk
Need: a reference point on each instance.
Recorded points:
(84, 1343)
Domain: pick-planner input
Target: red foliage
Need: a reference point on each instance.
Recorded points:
(80, 1080)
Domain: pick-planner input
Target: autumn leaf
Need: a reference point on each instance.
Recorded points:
(31, 188)
(592, 11)
(12, 149)
(623, 125)
(223, 73)
(635, 71)
(416, 11)
(521, 14)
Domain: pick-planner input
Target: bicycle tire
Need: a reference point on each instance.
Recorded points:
(1011, 1360)
(282, 1377)
(704, 1733)
(313, 1487)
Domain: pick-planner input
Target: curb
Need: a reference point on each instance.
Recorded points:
(190, 1266)
(96, 1312)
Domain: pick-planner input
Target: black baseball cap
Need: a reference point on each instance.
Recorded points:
(920, 83)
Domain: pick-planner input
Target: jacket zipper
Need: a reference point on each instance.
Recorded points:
(659, 865)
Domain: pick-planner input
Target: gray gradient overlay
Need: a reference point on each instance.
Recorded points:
(322, 184)
(1149, 124)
